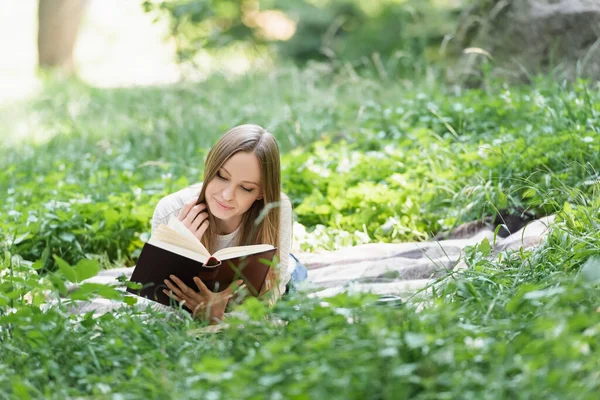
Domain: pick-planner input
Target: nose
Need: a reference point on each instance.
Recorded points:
(228, 193)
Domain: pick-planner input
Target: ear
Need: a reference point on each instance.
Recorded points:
(260, 195)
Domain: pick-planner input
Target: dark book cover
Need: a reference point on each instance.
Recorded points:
(156, 264)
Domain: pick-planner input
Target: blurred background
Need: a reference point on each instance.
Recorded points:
(113, 43)
(110, 43)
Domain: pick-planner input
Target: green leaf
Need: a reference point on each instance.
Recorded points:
(58, 283)
(108, 292)
(86, 290)
(20, 390)
(39, 264)
(255, 309)
(484, 247)
(467, 289)
(65, 269)
(502, 201)
(530, 192)
(591, 270)
(22, 238)
(134, 285)
(86, 269)
(66, 236)
(130, 300)
(111, 217)
(88, 320)
(46, 253)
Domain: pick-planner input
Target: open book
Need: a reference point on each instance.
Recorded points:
(173, 249)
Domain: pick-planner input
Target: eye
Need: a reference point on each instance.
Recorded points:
(247, 190)
(220, 176)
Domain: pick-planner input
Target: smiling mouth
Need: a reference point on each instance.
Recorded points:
(223, 206)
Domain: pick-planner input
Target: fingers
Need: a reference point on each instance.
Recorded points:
(202, 229)
(183, 288)
(218, 297)
(194, 213)
(173, 288)
(200, 225)
(184, 294)
(186, 209)
(202, 287)
(204, 301)
(190, 304)
(195, 218)
(172, 295)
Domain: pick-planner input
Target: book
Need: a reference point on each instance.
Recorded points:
(173, 249)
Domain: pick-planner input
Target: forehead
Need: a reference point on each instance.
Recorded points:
(243, 167)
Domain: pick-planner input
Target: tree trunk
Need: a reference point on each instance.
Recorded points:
(58, 24)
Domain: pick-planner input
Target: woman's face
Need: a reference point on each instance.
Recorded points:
(233, 190)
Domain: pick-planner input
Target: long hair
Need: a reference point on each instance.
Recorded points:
(260, 224)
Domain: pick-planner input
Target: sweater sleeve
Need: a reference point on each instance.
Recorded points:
(172, 204)
(285, 242)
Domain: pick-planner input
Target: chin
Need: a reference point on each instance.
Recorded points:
(216, 211)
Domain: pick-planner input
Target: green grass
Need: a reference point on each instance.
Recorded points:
(363, 160)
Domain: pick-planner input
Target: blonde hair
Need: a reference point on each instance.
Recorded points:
(260, 224)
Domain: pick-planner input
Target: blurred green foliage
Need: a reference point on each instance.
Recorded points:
(404, 34)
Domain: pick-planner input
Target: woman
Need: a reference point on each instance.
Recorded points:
(239, 203)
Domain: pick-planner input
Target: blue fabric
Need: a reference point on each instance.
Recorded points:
(299, 274)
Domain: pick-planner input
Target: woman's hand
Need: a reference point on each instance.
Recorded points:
(204, 304)
(194, 217)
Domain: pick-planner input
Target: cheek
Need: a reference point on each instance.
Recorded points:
(213, 187)
(248, 200)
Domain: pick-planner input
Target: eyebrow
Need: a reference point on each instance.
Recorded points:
(229, 173)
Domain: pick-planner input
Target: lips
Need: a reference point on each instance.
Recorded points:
(223, 206)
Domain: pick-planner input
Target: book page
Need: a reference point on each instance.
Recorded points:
(168, 235)
(177, 225)
(178, 250)
(177, 234)
(239, 251)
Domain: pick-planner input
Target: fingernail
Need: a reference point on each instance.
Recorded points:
(171, 276)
